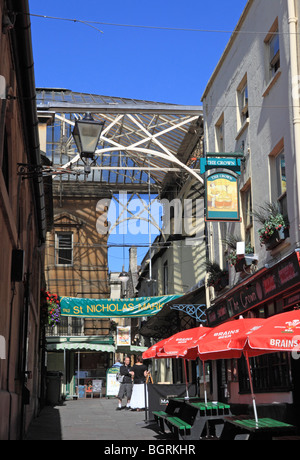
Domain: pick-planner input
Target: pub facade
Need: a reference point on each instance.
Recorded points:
(249, 108)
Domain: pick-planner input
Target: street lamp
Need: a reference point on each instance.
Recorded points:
(86, 134)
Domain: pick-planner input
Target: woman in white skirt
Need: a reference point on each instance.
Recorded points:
(137, 401)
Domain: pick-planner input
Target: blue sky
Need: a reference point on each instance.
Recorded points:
(158, 65)
(132, 62)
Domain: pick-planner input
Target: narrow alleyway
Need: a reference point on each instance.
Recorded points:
(92, 419)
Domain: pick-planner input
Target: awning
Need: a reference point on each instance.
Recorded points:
(169, 320)
(88, 343)
(135, 349)
(80, 346)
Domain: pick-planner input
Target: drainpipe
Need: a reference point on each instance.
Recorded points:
(292, 21)
(20, 36)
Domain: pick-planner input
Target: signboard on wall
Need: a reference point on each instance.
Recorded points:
(123, 335)
(222, 196)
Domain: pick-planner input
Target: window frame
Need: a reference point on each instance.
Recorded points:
(246, 198)
(242, 95)
(166, 277)
(273, 59)
(58, 248)
(277, 193)
(219, 135)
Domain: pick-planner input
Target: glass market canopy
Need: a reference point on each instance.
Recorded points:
(139, 137)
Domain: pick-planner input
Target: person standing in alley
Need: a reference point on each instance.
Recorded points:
(140, 371)
(126, 384)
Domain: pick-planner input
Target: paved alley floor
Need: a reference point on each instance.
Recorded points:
(92, 419)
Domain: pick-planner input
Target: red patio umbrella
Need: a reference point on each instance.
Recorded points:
(280, 332)
(182, 345)
(177, 345)
(153, 351)
(227, 341)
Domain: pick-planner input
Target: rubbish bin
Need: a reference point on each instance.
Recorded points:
(53, 394)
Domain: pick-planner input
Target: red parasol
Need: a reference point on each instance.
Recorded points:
(183, 344)
(153, 351)
(280, 332)
(228, 340)
(180, 345)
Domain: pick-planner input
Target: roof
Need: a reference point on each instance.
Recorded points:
(232, 39)
(139, 137)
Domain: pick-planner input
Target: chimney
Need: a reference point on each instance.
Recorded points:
(133, 259)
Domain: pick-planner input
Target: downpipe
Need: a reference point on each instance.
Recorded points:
(292, 22)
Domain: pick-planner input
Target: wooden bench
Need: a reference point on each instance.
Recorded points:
(172, 409)
(210, 418)
(265, 428)
(180, 422)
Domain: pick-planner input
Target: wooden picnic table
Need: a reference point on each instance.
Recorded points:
(191, 419)
(244, 427)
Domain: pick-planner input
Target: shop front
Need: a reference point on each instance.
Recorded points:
(83, 361)
(276, 376)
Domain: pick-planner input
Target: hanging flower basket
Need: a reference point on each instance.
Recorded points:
(275, 226)
(218, 278)
(246, 260)
(273, 232)
(50, 309)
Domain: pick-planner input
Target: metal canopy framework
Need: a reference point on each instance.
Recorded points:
(140, 144)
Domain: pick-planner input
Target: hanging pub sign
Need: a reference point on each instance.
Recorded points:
(109, 308)
(234, 164)
(222, 196)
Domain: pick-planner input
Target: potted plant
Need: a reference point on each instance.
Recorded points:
(275, 226)
(246, 260)
(239, 262)
(218, 278)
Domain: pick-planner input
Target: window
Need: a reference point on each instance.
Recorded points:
(272, 50)
(270, 373)
(242, 102)
(274, 54)
(281, 182)
(246, 196)
(219, 128)
(66, 326)
(165, 278)
(278, 176)
(64, 248)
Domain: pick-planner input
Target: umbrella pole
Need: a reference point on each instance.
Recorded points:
(204, 382)
(251, 388)
(186, 383)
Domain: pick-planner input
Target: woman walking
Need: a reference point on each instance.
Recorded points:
(137, 401)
